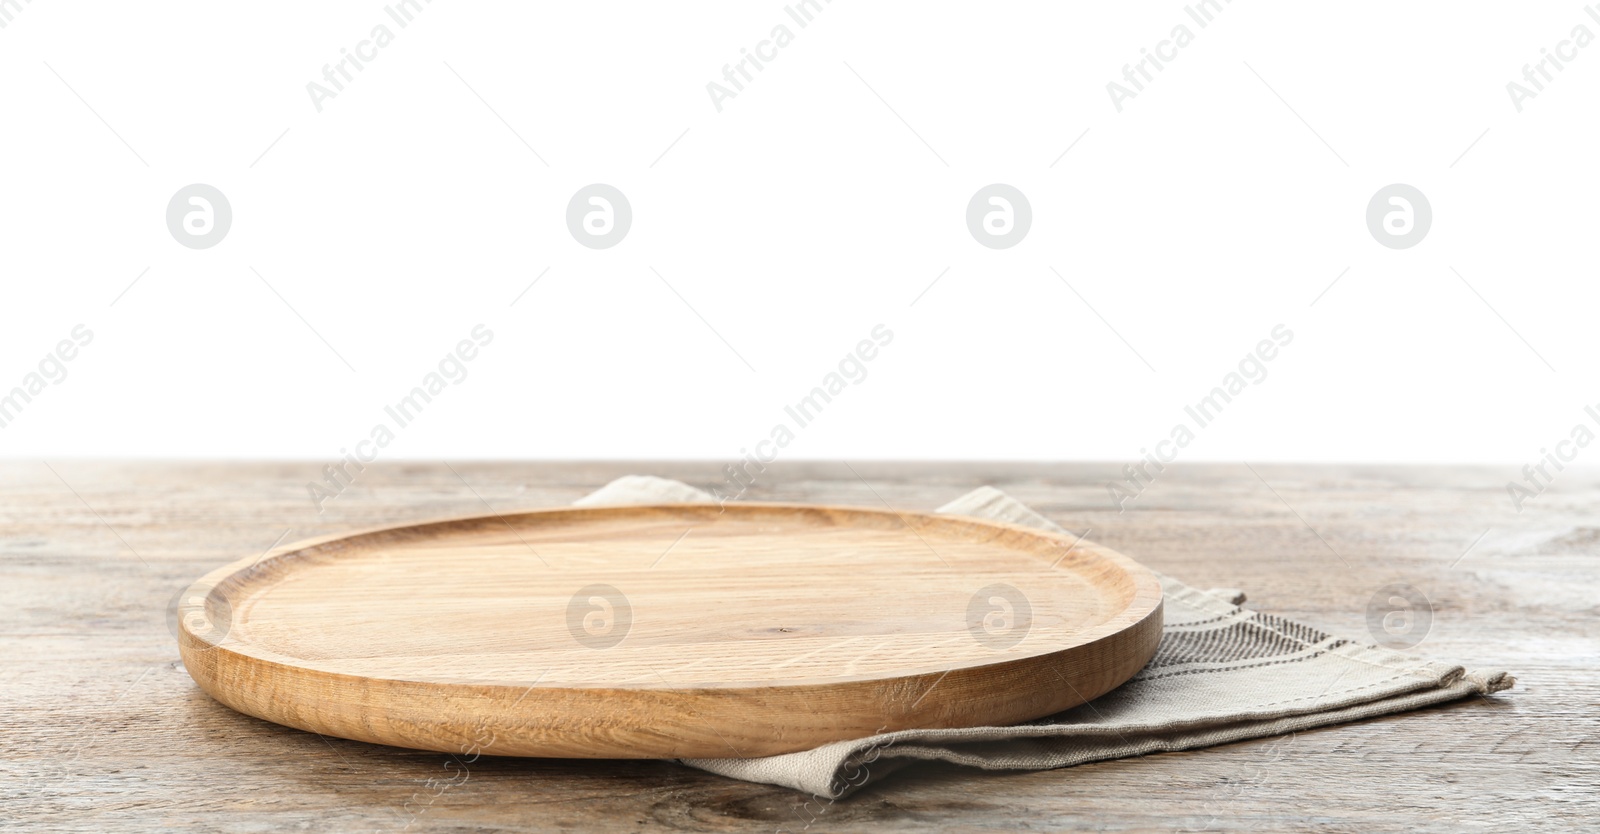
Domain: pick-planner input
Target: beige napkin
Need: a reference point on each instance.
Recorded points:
(1222, 673)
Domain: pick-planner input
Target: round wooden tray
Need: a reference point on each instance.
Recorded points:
(678, 630)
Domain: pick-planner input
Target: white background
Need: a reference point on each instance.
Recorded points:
(793, 221)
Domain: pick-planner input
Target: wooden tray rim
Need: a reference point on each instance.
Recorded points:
(1146, 601)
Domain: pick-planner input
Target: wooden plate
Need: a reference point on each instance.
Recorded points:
(672, 630)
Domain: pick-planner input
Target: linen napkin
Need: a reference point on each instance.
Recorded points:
(1220, 674)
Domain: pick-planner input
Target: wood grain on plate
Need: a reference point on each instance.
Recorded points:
(669, 630)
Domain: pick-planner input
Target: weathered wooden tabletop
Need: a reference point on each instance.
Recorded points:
(101, 729)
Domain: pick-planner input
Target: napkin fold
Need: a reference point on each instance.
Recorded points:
(1220, 674)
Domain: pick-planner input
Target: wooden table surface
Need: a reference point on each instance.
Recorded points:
(102, 729)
